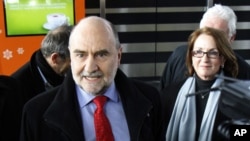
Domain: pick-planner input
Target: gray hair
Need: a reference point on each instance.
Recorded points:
(223, 12)
(57, 41)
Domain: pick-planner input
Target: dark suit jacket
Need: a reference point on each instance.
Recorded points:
(55, 115)
(168, 99)
(10, 109)
(175, 69)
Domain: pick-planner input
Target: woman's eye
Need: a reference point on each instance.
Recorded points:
(215, 53)
(199, 52)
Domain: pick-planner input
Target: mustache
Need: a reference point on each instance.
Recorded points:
(92, 74)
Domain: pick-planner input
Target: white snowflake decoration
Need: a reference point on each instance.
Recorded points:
(7, 54)
(20, 50)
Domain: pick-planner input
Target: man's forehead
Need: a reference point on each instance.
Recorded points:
(91, 48)
(217, 23)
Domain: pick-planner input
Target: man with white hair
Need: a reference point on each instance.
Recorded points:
(219, 17)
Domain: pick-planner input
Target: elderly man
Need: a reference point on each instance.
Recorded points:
(131, 110)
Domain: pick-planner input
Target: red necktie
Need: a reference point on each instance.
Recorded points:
(102, 127)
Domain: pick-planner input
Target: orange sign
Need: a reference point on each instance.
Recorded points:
(17, 50)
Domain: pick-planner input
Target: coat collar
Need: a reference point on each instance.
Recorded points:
(64, 112)
(135, 105)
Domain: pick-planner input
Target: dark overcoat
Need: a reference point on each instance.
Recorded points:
(55, 115)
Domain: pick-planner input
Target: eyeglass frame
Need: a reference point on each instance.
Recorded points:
(208, 53)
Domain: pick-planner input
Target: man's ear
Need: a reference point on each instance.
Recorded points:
(119, 55)
(232, 38)
(54, 57)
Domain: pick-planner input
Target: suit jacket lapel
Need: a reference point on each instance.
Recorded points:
(135, 106)
(64, 112)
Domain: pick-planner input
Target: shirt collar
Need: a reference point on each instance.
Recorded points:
(85, 98)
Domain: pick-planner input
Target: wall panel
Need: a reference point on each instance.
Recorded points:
(150, 30)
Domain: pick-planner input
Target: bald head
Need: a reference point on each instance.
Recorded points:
(94, 29)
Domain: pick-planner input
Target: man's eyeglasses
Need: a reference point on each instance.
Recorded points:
(210, 54)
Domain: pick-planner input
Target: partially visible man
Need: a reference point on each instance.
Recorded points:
(48, 65)
(67, 112)
(10, 108)
(218, 17)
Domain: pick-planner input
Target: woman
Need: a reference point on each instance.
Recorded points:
(196, 117)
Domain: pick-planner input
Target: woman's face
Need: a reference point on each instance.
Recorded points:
(206, 59)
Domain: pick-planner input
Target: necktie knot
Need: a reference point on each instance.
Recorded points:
(100, 101)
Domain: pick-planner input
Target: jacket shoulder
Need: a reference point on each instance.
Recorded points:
(20, 72)
(38, 104)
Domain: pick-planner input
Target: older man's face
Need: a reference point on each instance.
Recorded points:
(94, 59)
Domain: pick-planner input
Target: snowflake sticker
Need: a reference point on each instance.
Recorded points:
(7, 54)
(20, 50)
